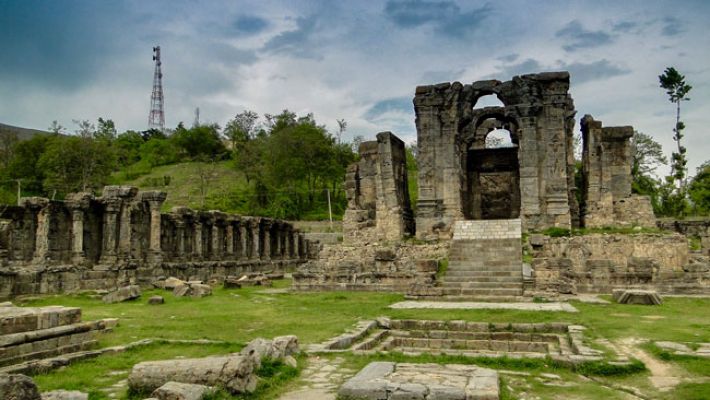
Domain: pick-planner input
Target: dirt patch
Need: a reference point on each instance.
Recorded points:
(653, 317)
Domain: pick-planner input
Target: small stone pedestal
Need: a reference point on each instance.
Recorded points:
(636, 296)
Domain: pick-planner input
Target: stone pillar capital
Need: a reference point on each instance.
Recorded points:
(78, 201)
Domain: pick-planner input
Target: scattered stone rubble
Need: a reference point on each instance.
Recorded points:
(121, 238)
(18, 387)
(392, 381)
(181, 391)
(686, 349)
(234, 372)
(130, 292)
(31, 333)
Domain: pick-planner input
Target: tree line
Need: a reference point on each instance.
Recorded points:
(289, 162)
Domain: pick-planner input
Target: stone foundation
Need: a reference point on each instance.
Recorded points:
(372, 267)
(89, 243)
(599, 263)
(29, 333)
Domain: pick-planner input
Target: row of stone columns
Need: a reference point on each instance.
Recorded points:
(125, 224)
(214, 235)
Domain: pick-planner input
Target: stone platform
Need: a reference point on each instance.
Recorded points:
(390, 381)
(472, 305)
(31, 333)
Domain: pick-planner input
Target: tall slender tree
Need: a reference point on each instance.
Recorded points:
(677, 90)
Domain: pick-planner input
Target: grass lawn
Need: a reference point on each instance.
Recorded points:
(236, 316)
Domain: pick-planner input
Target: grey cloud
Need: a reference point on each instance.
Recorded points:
(509, 57)
(391, 104)
(577, 37)
(582, 73)
(249, 24)
(440, 76)
(671, 26)
(295, 42)
(579, 72)
(525, 67)
(445, 16)
(624, 26)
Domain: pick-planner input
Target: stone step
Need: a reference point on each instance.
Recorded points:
(483, 298)
(462, 272)
(482, 285)
(482, 292)
(496, 280)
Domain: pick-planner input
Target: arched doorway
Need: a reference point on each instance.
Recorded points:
(493, 171)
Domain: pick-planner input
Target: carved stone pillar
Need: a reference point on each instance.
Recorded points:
(229, 238)
(155, 200)
(197, 240)
(78, 203)
(110, 230)
(255, 248)
(296, 240)
(266, 251)
(276, 254)
(39, 213)
(243, 250)
(180, 237)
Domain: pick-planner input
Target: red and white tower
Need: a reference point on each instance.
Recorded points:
(156, 118)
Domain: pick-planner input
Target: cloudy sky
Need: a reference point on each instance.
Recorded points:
(357, 60)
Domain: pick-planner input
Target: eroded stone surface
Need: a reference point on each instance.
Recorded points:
(181, 391)
(469, 305)
(390, 381)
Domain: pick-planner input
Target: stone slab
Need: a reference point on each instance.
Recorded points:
(467, 305)
(392, 381)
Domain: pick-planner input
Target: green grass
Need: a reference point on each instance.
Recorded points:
(236, 316)
(184, 181)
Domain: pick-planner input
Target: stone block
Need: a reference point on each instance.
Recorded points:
(125, 293)
(154, 300)
(18, 387)
(181, 391)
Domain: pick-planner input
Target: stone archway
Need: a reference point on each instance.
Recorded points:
(492, 171)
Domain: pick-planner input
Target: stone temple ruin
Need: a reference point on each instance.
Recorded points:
(474, 198)
(90, 243)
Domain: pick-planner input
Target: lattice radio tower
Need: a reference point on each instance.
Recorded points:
(156, 118)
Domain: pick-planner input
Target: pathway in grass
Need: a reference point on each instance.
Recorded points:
(469, 305)
(663, 377)
(320, 380)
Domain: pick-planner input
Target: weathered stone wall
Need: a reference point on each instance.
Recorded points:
(601, 262)
(394, 268)
(377, 192)
(539, 113)
(88, 242)
(606, 174)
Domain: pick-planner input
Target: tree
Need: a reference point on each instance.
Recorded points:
(106, 130)
(342, 126)
(647, 155)
(56, 128)
(241, 128)
(699, 189)
(677, 91)
(127, 146)
(199, 141)
(75, 163)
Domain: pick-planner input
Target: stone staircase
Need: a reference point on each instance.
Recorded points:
(485, 261)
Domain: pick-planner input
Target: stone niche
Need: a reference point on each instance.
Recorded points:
(459, 178)
(377, 190)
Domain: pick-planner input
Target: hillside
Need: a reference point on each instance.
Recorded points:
(186, 183)
(22, 133)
